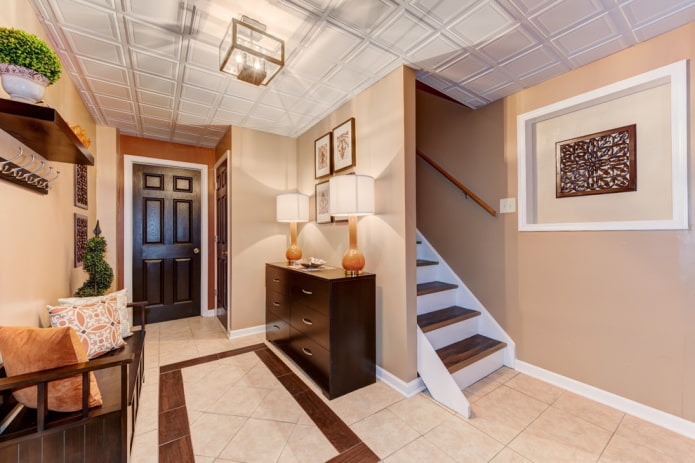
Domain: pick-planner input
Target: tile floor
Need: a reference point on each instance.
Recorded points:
(239, 412)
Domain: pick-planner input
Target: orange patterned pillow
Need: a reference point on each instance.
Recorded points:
(27, 349)
(97, 325)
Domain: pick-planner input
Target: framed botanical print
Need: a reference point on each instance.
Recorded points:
(344, 145)
(323, 213)
(322, 155)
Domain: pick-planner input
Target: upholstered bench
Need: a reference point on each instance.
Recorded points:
(101, 433)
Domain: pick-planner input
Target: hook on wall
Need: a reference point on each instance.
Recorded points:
(17, 170)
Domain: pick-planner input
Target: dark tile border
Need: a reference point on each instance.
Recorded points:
(175, 443)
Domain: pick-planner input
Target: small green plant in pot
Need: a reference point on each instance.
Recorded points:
(26, 62)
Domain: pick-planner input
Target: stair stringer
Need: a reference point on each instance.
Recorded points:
(487, 325)
(437, 378)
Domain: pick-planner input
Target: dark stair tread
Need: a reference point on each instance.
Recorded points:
(463, 353)
(433, 287)
(424, 262)
(444, 317)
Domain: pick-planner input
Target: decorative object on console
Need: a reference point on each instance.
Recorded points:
(603, 162)
(27, 65)
(248, 52)
(292, 208)
(344, 145)
(98, 326)
(322, 156)
(100, 272)
(81, 186)
(28, 349)
(323, 213)
(312, 262)
(352, 196)
(81, 135)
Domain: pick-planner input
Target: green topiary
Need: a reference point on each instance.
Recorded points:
(100, 272)
(20, 48)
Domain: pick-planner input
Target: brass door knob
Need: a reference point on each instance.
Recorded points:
(196, 251)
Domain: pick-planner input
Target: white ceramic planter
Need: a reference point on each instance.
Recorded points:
(24, 86)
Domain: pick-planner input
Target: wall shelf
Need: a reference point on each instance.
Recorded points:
(44, 131)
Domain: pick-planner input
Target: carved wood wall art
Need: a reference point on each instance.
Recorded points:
(81, 187)
(80, 238)
(599, 163)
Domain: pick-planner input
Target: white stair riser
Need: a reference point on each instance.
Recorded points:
(480, 369)
(427, 273)
(435, 301)
(453, 333)
(424, 253)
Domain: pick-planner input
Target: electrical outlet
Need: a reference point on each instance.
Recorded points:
(507, 205)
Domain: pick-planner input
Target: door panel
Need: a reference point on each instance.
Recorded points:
(221, 231)
(166, 241)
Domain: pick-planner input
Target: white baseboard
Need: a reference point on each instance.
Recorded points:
(663, 419)
(234, 334)
(406, 389)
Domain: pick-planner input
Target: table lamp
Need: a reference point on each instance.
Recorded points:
(292, 208)
(352, 196)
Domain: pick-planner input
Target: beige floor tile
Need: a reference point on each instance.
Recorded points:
(258, 441)
(363, 402)
(145, 448)
(463, 442)
(421, 412)
(260, 376)
(674, 446)
(211, 433)
(198, 373)
(227, 374)
(621, 450)
(508, 455)
(148, 412)
(307, 444)
(556, 436)
(589, 410)
(193, 416)
(477, 391)
(151, 376)
(244, 361)
(384, 432)
(212, 346)
(535, 388)
(202, 459)
(278, 405)
(502, 375)
(239, 401)
(203, 395)
(505, 412)
(420, 450)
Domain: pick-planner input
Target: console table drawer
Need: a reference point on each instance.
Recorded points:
(311, 292)
(277, 303)
(276, 329)
(277, 280)
(309, 355)
(312, 323)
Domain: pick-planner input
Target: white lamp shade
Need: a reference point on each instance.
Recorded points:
(292, 207)
(351, 195)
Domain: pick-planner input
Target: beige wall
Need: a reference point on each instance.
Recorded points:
(469, 145)
(385, 144)
(106, 191)
(36, 231)
(263, 165)
(612, 309)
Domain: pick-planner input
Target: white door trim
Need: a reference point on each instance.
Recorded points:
(128, 161)
(225, 157)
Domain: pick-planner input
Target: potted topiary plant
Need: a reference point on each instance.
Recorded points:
(100, 272)
(27, 65)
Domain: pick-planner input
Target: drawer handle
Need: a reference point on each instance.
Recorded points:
(276, 280)
(276, 327)
(307, 292)
(307, 351)
(276, 304)
(307, 321)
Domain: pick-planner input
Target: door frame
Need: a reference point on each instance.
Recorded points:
(128, 161)
(225, 157)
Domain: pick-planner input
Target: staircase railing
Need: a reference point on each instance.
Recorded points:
(462, 187)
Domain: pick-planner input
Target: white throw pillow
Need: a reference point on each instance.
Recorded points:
(121, 306)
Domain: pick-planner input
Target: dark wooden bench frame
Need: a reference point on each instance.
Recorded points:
(102, 433)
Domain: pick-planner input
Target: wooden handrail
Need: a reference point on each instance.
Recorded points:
(461, 186)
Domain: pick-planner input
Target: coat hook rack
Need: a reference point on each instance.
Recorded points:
(21, 170)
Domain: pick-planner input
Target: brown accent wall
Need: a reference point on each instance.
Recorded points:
(614, 309)
(172, 152)
(469, 144)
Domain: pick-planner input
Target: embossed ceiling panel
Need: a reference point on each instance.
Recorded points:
(150, 67)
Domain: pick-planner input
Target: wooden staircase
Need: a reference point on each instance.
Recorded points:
(451, 334)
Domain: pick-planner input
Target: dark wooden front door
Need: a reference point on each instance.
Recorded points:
(166, 241)
(221, 242)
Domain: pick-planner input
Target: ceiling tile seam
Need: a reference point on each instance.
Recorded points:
(622, 24)
(543, 37)
(576, 52)
(685, 6)
(130, 67)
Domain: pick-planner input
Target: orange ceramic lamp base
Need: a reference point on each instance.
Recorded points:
(353, 259)
(294, 252)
